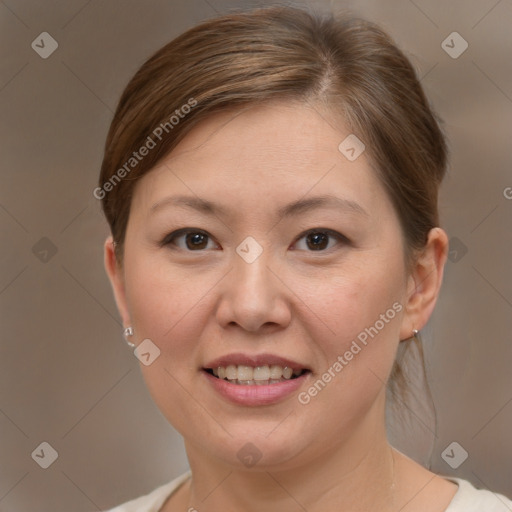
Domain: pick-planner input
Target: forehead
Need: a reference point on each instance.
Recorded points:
(277, 134)
(271, 153)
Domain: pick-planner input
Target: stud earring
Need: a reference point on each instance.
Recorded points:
(127, 333)
(414, 334)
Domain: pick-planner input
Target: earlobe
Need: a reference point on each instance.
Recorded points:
(116, 277)
(425, 282)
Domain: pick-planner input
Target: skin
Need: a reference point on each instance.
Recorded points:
(293, 301)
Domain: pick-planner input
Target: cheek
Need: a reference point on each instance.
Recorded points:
(360, 301)
(169, 308)
(162, 299)
(360, 313)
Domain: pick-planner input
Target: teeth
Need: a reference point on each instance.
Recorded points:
(231, 372)
(245, 373)
(259, 375)
(276, 371)
(287, 373)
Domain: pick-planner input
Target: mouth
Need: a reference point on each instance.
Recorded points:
(255, 379)
(261, 375)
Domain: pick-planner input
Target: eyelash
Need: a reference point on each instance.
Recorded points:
(168, 239)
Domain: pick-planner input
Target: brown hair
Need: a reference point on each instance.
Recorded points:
(285, 53)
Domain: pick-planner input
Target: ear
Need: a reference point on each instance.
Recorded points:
(116, 276)
(424, 283)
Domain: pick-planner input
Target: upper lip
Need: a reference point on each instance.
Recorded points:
(254, 360)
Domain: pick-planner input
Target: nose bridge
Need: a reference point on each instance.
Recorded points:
(253, 295)
(253, 282)
(252, 263)
(254, 276)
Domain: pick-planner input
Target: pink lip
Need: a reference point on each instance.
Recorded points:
(254, 360)
(253, 395)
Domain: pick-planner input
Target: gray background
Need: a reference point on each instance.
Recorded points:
(66, 375)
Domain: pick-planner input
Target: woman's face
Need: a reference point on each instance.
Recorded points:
(250, 287)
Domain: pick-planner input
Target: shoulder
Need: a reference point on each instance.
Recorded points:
(153, 501)
(470, 499)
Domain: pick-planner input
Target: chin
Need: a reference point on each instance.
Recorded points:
(256, 449)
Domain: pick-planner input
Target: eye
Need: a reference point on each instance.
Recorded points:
(318, 239)
(192, 239)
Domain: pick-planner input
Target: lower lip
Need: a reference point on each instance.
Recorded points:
(252, 395)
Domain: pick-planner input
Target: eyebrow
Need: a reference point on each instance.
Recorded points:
(298, 207)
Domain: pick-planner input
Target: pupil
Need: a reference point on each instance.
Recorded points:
(196, 238)
(318, 238)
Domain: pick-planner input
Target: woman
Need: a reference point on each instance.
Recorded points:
(271, 180)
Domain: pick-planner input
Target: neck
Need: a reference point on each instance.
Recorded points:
(357, 474)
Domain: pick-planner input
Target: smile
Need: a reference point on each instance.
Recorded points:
(255, 375)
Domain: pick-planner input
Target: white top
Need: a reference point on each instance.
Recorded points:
(466, 499)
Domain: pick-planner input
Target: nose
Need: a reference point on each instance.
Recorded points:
(254, 297)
